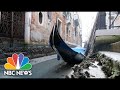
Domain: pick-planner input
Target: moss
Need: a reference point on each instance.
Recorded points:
(110, 67)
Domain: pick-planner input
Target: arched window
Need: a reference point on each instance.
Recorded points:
(40, 17)
(68, 29)
(75, 31)
(49, 14)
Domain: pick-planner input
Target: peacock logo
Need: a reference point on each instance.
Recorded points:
(17, 62)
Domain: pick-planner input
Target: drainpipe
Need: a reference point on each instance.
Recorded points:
(109, 20)
(27, 27)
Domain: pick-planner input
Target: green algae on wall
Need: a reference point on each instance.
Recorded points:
(110, 67)
(107, 43)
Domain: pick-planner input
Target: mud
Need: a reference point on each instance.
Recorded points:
(96, 66)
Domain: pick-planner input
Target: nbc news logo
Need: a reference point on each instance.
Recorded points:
(17, 65)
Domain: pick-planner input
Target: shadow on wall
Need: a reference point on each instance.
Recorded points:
(114, 47)
(102, 47)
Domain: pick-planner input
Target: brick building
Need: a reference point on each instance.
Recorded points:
(42, 23)
(35, 27)
(69, 31)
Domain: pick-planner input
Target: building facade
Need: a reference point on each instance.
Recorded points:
(73, 30)
(68, 24)
(113, 20)
(101, 21)
(108, 20)
(35, 27)
(41, 26)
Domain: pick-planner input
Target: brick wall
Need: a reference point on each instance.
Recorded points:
(40, 32)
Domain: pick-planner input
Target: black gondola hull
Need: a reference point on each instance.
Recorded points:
(62, 49)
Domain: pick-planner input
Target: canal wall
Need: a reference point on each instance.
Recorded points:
(115, 47)
(107, 43)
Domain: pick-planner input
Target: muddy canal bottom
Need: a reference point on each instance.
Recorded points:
(99, 66)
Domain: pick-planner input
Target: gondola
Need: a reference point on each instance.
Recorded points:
(62, 49)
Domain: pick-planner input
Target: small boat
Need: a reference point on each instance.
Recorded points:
(68, 54)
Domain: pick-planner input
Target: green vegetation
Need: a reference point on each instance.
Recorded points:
(110, 67)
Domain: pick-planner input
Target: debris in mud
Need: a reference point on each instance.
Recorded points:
(87, 73)
(82, 70)
(99, 63)
(96, 66)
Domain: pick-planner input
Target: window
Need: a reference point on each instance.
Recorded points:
(75, 31)
(69, 33)
(40, 17)
(68, 16)
(68, 29)
(64, 14)
(49, 14)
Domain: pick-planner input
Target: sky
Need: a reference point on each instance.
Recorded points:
(87, 20)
